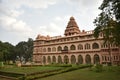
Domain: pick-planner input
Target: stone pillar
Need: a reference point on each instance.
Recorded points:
(69, 57)
(56, 58)
(76, 57)
(84, 58)
(92, 59)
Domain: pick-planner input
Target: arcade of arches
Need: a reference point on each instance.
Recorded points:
(71, 59)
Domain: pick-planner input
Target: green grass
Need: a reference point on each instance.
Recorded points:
(109, 73)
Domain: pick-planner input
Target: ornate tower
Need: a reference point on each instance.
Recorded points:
(72, 28)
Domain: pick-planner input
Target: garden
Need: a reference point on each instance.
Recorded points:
(12, 72)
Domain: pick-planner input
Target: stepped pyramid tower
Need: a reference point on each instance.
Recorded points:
(72, 28)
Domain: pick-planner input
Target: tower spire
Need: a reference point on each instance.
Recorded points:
(72, 27)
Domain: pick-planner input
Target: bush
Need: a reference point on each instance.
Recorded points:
(59, 65)
(11, 74)
(1, 64)
(98, 68)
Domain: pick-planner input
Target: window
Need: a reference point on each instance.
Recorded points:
(53, 49)
(87, 46)
(66, 48)
(59, 48)
(95, 46)
(49, 49)
(80, 47)
(44, 49)
(72, 47)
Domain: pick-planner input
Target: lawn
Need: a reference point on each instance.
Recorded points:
(28, 69)
(110, 73)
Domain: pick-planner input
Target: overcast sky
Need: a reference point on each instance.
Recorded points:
(23, 19)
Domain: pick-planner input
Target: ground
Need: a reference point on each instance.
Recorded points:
(86, 74)
(107, 73)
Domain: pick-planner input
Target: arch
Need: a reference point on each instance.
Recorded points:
(80, 59)
(73, 59)
(59, 48)
(48, 59)
(53, 59)
(80, 47)
(95, 45)
(65, 48)
(72, 47)
(49, 49)
(66, 59)
(44, 49)
(88, 59)
(53, 49)
(96, 59)
(59, 59)
(87, 46)
(44, 59)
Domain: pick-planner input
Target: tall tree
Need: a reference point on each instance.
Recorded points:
(6, 52)
(108, 23)
(24, 50)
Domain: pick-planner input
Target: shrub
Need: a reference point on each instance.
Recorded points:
(98, 68)
(1, 64)
(59, 65)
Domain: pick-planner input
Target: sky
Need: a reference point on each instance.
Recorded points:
(23, 19)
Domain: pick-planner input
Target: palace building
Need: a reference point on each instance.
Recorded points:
(75, 47)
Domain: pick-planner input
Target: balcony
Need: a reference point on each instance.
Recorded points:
(64, 51)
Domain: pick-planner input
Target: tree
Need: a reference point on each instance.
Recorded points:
(24, 50)
(6, 52)
(108, 23)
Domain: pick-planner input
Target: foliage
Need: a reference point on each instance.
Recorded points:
(108, 23)
(6, 52)
(9, 52)
(24, 50)
(99, 68)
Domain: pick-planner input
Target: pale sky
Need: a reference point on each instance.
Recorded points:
(23, 19)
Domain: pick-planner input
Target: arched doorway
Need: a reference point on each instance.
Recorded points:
(66, 59)
(88, 59)
(59, 59)
(80, 59)
(53, 59)
(96, 59)
(49, 59)
(44, 60)
(73, 59)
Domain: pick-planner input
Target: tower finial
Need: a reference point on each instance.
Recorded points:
(72, 27)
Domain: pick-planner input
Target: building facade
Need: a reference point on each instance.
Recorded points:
(75, 47)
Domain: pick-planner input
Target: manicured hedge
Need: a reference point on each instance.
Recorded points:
(59, 65)
(30, 65)
(11, 75)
